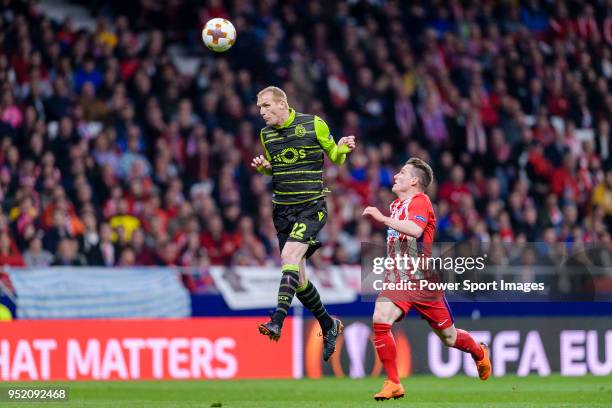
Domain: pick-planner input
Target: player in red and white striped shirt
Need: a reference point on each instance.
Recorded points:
(411, 229)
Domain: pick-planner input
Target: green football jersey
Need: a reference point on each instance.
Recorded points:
(295, 149)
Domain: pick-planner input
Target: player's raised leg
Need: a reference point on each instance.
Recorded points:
(385, 314)
(461, 340)
(331, 328)
(291, 255)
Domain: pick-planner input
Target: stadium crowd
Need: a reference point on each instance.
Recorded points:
(110, 154)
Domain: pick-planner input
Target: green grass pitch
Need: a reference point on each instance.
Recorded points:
(421, 392)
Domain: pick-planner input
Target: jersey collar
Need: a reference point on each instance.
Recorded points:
(289, 120)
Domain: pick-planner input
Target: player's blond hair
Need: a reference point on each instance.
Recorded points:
(277, 93)
(422, 170)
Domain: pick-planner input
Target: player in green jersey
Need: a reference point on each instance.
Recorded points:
(294, 144)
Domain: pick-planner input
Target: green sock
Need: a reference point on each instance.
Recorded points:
(288, 284)
(309, 296)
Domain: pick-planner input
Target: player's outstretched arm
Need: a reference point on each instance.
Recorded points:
(336, 152)
(262, 165)
(406, 227)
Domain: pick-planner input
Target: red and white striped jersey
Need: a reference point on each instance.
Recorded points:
(419, 210)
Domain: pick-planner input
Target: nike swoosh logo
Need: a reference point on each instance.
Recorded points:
(441, 323)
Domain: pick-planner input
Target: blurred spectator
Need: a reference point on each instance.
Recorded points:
(124, 222)
(67, 254)
(59, 230)
(87, 74)
(142, 252)
(127, 257)
(36, 255)
(9, 255)
(455, 188)
(602, 195)
(219, 244)
(89, 241)
(107, 248)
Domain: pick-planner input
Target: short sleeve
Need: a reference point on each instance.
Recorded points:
(418, 211)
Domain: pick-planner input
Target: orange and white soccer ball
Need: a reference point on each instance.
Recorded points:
(219, 34)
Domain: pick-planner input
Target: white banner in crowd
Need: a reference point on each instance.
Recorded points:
(255, 288)
(64, 292)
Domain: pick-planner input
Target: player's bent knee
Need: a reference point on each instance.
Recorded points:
(289, 260)
(383, 315)
(290, 257)
(293, 254)
(448, 341)
(378, 317)
(447, 336)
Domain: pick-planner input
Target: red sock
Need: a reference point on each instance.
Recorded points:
(466, 343)
(385, 347)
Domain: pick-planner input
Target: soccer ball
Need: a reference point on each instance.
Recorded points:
(219, 34)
